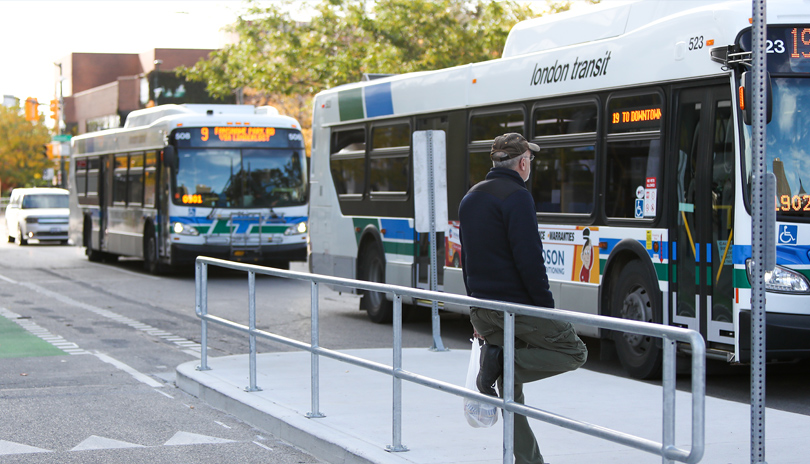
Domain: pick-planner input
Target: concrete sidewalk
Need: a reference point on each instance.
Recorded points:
(357, 406)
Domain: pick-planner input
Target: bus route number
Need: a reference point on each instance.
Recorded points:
(787, 203)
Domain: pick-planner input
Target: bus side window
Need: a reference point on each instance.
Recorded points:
(120, 180)
(483, 130)
(348, 162)
(389, 162)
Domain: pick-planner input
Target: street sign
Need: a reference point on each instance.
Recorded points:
(61, 138)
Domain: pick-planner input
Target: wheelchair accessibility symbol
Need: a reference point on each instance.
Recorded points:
(788, 235)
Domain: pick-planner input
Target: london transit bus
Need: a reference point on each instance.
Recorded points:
(642, 187)
(178, 181)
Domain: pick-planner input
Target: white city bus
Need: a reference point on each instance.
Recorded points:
(178, 181)
(642, 186)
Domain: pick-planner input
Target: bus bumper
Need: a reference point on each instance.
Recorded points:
(186, 254)
(787, 336)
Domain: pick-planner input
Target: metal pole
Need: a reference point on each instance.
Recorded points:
(668, 438)
(252, 327)
(314, 358)
(758, 229)
(508, 392)
(434, 282)
(202, 278)
(396, 425)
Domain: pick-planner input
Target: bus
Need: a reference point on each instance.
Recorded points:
(643, 184)
(179, 181)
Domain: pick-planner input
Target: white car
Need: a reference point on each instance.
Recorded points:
(37, 213)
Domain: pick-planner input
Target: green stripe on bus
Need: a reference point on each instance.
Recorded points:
(399, 248)
(16, 342)
(222, 227)
(203, 229)
(271, 229)
(350, 103)
(662, 269)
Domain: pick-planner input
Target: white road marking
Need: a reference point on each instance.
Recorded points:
(263, 446)
(164, 394)
(135, 374)
(220, 423)
(100, 443)
(2, 277)
(44, 334)
(187, 438)
(9, 447)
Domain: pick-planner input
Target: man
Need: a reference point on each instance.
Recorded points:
(502, 259)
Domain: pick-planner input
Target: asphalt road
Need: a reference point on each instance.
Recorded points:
(113, 399)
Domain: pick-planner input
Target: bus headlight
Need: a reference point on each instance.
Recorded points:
(183, 229)
(297, 229)
(781, 279)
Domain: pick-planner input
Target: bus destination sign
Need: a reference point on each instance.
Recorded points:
(242, 136)
(635, 119)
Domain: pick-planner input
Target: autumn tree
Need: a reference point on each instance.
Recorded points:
(283, 62)
(22, 146)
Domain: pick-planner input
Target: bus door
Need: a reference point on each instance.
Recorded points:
(104, 198)
(422, 258)
(703, 230)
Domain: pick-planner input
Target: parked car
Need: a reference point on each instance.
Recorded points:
(37, 213)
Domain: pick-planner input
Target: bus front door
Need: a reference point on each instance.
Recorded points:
(703, 227)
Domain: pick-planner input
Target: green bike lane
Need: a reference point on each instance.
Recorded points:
(18, 342)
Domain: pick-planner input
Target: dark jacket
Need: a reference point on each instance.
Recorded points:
(501, 251)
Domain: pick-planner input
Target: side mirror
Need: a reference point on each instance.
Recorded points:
(170, 156)
(746, 99)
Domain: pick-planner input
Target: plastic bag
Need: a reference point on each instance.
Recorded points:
(478, 414)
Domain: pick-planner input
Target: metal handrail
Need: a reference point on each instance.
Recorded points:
(670, 335)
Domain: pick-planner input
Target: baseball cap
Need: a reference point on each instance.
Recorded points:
(509, 146)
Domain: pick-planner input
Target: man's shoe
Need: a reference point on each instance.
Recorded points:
(491, 369)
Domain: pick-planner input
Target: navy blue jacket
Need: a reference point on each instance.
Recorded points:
(501, 251)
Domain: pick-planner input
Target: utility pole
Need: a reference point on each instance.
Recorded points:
(59, 120)
(157, 71)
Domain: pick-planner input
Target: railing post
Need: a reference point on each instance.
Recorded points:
(668, 438)
(508, 385)
(314, 358)
(396, 420)
(201, 284)
(252, 325)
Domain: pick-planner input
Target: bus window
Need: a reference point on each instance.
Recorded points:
(389, 163)
(120, 180)
(149, 179)
(348, 162)
(81, 177)
(633, 156)
(483, 130)
(135, 184)
(563, 177)
(92, 176)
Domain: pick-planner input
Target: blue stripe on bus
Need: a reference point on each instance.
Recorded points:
(785, 254)
(397, 228)
(378, 100)
(663, 251)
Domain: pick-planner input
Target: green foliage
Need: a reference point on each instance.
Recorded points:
(345, 39)
(22, 150)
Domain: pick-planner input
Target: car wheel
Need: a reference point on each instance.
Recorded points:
(634, 299)
(372, 269)
(21, 241)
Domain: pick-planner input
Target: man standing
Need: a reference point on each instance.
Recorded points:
(502, 259)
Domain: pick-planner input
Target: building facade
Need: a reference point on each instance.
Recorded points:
(101, 89)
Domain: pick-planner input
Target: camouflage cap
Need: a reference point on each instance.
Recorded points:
(509, 146)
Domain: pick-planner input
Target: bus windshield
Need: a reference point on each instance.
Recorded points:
(787, 151)
(240, 178)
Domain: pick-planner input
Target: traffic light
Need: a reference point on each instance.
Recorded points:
(49, 151)
(55, 109)
(31, 109)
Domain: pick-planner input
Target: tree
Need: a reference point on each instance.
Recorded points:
(280, 61)
(22, 149)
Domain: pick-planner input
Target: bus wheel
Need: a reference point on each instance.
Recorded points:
(633, 299)
(151, 261)
(372, 269)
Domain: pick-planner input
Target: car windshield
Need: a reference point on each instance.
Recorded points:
(44, 201)
(787, 152)
(240, 178)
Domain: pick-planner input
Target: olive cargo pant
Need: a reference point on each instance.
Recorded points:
(543, 348)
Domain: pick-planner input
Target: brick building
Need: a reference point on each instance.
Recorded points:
(101, 89)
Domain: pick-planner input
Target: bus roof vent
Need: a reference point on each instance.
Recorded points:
(267, 110)
(147, 116)
(372, 76)
(212, 108)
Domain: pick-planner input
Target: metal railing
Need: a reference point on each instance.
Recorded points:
(670, 335)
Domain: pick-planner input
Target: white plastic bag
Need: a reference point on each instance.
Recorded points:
(478, 414)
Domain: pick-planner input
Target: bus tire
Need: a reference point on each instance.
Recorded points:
(372, 269)
(634, 299)
(151, 260)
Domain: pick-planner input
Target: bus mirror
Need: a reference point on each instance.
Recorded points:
(746, 98)
(170, 156)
